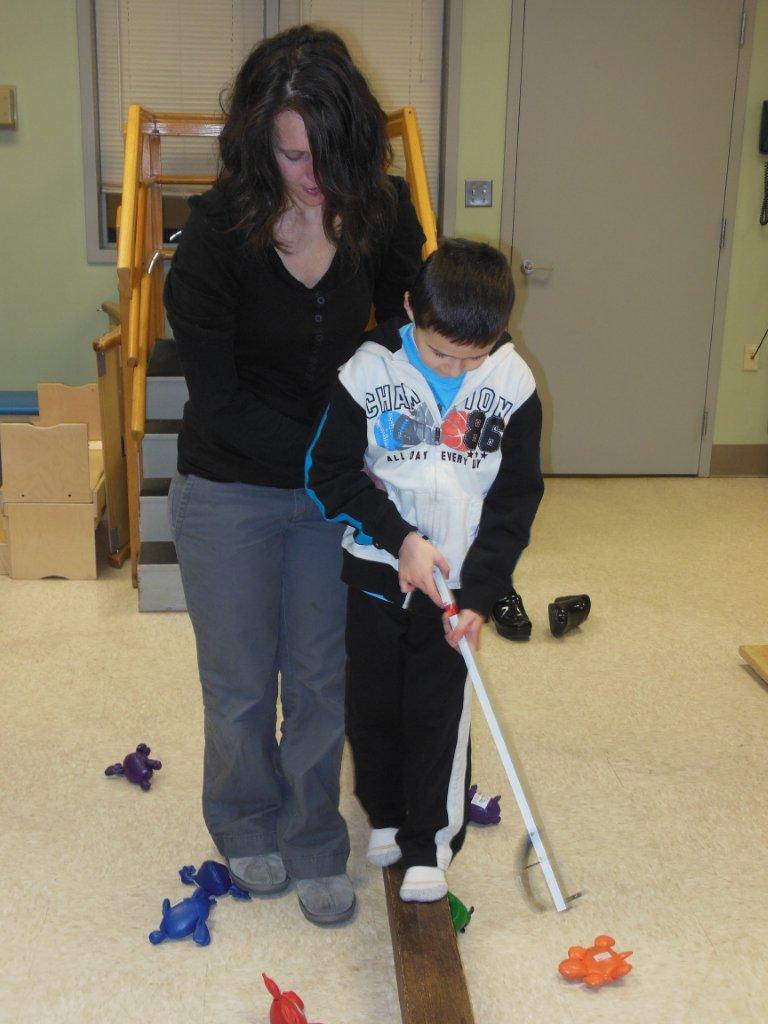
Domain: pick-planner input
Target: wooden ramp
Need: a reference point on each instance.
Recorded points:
(756, 655)
(430, 977)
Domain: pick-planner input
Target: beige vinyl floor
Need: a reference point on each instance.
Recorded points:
(642, 736)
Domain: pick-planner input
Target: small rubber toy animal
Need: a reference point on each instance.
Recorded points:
(185, 918)
(136, 767)
(214, 879)
(286, 1008)
(460, 916)
(596, 965)
(483, 810)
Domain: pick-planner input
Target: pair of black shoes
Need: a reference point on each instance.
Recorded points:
(512, 622)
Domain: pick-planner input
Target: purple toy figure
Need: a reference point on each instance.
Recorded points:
(483, 810)
(136, 767)
(214, 879)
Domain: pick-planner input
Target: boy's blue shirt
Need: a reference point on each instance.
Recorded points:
(444, 389)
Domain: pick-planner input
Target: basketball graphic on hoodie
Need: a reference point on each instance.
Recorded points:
(461, 429)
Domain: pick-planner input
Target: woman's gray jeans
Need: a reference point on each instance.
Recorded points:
(260, 569)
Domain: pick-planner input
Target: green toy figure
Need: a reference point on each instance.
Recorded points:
(459, 913)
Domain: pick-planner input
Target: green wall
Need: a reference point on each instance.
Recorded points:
(482, 112)
(742, 400)
(49, 295)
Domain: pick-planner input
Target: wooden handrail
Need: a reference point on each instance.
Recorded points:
(129, 200)
(183, 179)
(194, 125)
(138, 259)
(139, 396)
(112, 309)
(139, 402)
(109, 340)
(144, 297)
(403, 123)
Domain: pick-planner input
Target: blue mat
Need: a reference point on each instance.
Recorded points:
(18, 403)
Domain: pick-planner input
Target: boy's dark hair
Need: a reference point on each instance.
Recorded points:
(464, 291)
(311, 72)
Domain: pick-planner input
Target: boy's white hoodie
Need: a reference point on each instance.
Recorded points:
(386, 461)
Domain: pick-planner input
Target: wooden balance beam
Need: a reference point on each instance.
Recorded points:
(756, 655)
(430, 977)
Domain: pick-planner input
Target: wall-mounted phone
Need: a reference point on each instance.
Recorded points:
(764, 149)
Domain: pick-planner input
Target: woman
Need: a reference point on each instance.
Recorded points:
(268, 294)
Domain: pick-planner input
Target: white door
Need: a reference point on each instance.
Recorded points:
(618, 184)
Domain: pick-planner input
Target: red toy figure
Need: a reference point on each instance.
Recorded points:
(286, 1008)
(597, 965)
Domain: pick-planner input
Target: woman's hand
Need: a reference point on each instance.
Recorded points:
(468, 626)
(416, 559)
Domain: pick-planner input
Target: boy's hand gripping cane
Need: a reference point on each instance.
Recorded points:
(522, 802)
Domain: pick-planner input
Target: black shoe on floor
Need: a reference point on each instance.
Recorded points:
(510, 618)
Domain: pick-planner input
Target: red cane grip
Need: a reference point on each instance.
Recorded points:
(451, 609)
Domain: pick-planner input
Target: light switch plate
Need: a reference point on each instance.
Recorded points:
(478, 192)
(8, 117)
(751, 361)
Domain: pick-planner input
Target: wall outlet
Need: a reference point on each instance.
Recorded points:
(750, 364)
(8, 107)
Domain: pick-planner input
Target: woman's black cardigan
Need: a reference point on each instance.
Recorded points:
(260, 350)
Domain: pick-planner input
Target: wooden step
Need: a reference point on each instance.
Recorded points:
(164, 361)
(166, 388)
(166, 397)
(160, 588)
(153, 510)
(155, 487)
(159, 447)
(756, 655)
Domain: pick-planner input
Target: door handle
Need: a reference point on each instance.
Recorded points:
(528, 267)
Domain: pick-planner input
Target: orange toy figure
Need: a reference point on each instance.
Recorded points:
(286, 1008)
(597, 965)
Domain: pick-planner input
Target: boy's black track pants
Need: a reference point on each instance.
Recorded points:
(408, 710)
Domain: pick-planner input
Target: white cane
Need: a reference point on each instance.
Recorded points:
(514, 780)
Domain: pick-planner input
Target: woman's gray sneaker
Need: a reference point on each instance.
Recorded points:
(263, 874)
(328, 900)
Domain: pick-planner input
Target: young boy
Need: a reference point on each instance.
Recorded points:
(429, 450)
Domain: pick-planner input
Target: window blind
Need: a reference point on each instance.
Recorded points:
(171, 56)
(398, 45)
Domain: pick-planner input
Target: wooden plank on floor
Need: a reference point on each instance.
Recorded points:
(430, 976)
(756, 655)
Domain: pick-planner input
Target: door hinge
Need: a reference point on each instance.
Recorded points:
(743, 34)
(723, 229)
(704, 423)
(101, 364)
(122, 446)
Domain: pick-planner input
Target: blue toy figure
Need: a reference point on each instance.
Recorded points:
(185, 918)
(214, 879)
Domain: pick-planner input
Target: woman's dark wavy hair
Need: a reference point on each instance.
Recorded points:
(311, 72)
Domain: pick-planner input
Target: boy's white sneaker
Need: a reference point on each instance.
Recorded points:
(382, 847)
(423, 885)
